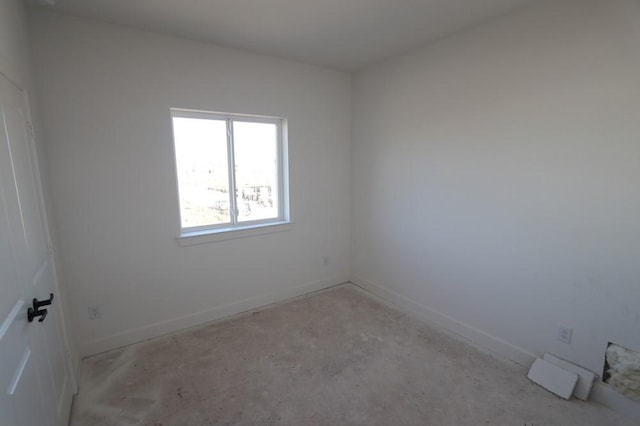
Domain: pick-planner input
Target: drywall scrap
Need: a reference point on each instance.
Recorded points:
(585, 377)
(553, 378)
(623, 371)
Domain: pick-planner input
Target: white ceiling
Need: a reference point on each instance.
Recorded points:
(342, 34)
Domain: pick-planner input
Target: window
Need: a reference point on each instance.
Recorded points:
(231, 171)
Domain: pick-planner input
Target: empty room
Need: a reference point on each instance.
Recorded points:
(337, 212)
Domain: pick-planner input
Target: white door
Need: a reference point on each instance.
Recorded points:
(35, 376)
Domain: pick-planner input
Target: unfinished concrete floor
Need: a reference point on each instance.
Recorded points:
(338, 357)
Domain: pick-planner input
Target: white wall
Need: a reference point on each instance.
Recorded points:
(496, 180)
(15, 63)
(106, 92)
(14, 42)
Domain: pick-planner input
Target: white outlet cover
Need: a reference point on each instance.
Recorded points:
(553, 378)
(585, 377)
(94, 312)
(565, 334)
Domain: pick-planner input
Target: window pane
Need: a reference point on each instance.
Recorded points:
(203, 173)
(256, 162)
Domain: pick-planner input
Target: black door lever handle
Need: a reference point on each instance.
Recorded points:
(37, 304)
(36, 311)
(32, 313)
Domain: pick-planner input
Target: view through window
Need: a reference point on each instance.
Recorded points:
(229, 169)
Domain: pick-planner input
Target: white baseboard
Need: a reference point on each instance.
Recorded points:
(609, 397)
(468, 332)
(602, 393)
(103, 344)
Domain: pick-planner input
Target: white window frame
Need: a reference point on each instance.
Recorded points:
(235, 229)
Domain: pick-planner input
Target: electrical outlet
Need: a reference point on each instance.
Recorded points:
(564, 334)
(94, 312)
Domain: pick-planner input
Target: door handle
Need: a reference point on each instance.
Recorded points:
(32, 313)
(37, 304)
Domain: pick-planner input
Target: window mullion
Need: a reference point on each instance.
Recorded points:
(233, 210)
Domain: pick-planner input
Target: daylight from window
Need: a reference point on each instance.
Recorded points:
(204, 181)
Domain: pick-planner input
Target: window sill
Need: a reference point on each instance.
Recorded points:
(223, 234)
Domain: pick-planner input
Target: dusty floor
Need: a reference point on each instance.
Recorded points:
(333, 358)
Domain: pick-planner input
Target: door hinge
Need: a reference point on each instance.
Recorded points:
(30, 131)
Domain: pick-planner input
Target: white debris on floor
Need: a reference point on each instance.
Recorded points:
(585, 377)
(624, 370)
(553, 378)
